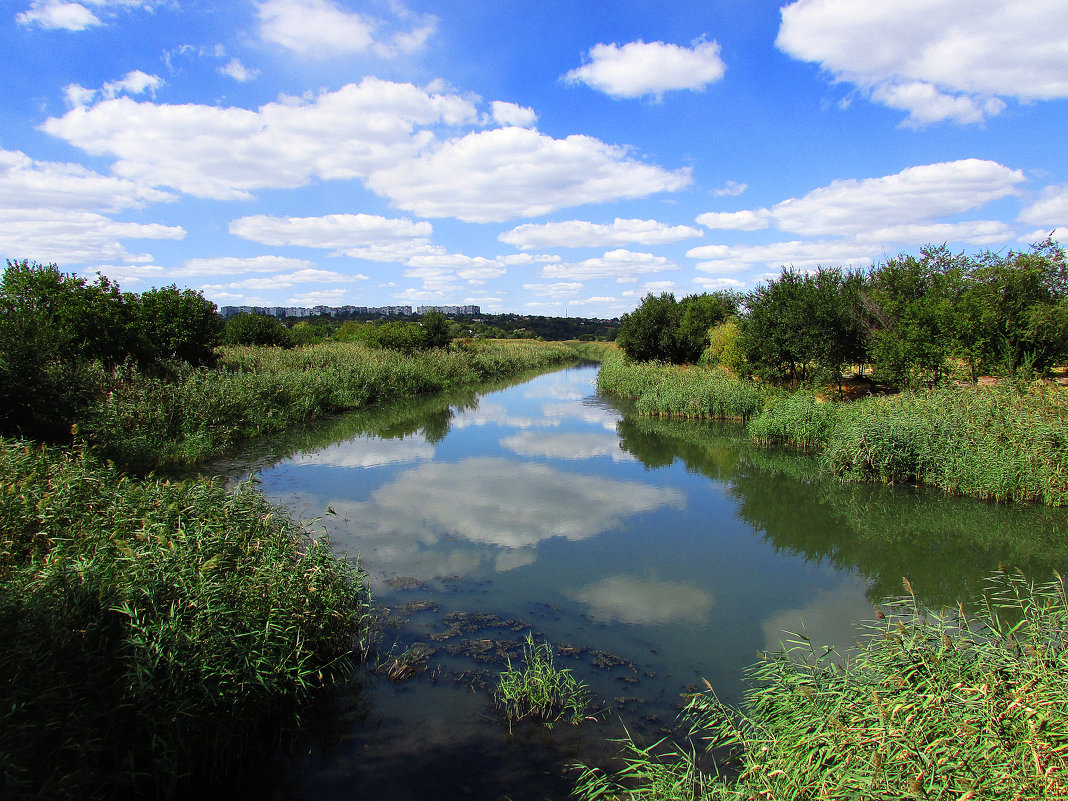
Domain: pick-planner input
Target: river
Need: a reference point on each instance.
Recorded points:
(655, 555)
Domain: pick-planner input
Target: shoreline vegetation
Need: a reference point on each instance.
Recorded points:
(1004, 442)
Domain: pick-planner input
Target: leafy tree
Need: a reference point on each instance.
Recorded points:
(177, 324)
(1014, 310)
(256, 329)
(909, 308)
(403, 337)
(437, 331)
(651, 332)
(725, 346)
(699, 314)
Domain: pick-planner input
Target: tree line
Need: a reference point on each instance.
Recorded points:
(911, 319)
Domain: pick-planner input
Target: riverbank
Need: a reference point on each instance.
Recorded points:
(1002, 442)
(146, 422)
(151, 629)
(938, 706)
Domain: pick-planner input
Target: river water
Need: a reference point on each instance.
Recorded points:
(656, 555)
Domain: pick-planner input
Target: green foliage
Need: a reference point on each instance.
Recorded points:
(177, 324)
(661, 329)
(725, 347)
(539, 690)
(798, 419)
(939, 706)
(437, 333)
(148, 627)
(256, 329)
(803, 320)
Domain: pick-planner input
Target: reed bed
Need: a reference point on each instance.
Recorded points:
(681, 391)
(144, 422)
(933, 705)
(997, 443)
(799, 419)
(148, 627)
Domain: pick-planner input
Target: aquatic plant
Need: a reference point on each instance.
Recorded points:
(149, 628)
(798, 419)
(938, 706)
(539, 690)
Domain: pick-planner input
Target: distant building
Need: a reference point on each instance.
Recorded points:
(469, 311)
(330, 311)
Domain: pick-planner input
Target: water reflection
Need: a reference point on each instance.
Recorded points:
(494, 501)
(367, 452)
(572, 445)
(630, 599)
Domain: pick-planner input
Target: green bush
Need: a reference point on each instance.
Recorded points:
(256, 329)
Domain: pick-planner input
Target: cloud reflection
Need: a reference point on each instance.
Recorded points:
(830, 618)
(566, 446)
(629, 599)
(591, 413)
(368, 452)
(503, 503)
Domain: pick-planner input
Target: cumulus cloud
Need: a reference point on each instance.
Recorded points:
(308, 275)
(220, 152)
(642, 68)
(504, 173)
(237, 265)
(361, 236)
(570, 446)
(1051, 208)
(512, 114)
(68, 236)
(619, 264)
(581, 234)
(560, 289)
(929, 58)
(25, 184)
(854, 206)
(730, 189)
(736, 258)
(321, 28)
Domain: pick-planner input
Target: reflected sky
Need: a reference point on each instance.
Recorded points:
(572, 445)
(630, 599)
(368, 452)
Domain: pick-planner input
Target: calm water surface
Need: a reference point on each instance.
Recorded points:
(655, 554)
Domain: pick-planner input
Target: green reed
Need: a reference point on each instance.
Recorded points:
(148, 627)
(799, 419)
(539, 690)
(144, 422)
(933, 705)
(681, 391)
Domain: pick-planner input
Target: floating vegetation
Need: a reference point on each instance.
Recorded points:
(459, 623)
(539, 690)
(409, 664)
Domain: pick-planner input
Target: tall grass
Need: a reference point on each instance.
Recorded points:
(663, 389)
(145, 422)
(997, 443)
(799, 419)
(147, 627)
(936, 706)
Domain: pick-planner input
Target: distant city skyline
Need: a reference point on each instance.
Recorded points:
(546, 158)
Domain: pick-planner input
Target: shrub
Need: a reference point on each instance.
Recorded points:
(256, 329)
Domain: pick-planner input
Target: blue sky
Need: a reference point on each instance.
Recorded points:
(526, 157)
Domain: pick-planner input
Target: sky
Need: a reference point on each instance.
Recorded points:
(546, 157)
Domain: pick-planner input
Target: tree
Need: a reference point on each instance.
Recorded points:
(176, 324)
(437, 331)
(651, 332)
(699, 314)
(256, 329)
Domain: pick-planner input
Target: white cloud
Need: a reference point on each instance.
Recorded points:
(496, 175)
(362, 236)
(714, 284)
(26, 184)
(618, 264)
(640, 68)
(221, 152)
(736, 220)
(512, 114)
(580, 234)
(780, 254)
(237, 265)
(560, 289)
(239, 72)
(321, 28)
(915, 194)
(365, 452)
(934, 58)
(1051, 208)
(70, 237)
(569, 445)
(287, 280)
(63, 15)
(324, 297)
(974, 232)
(132, 83)
(57, 15)
(730, 189)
